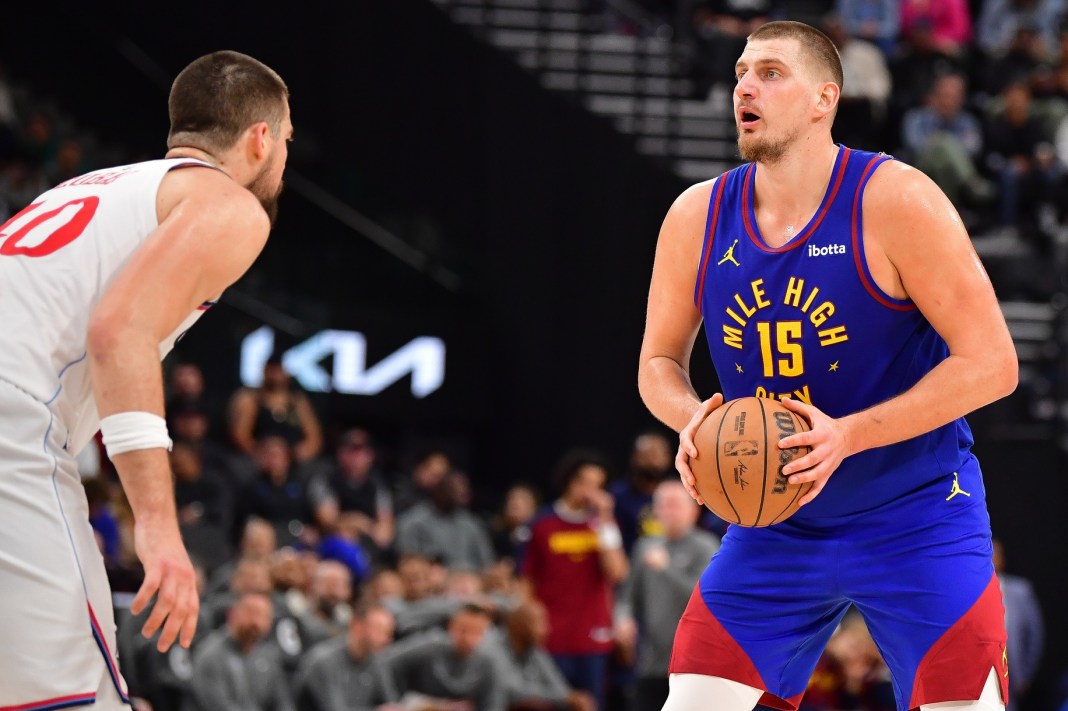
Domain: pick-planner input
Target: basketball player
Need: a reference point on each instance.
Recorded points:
(99, 277)
(844, 281)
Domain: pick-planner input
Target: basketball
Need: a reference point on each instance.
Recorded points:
(738, 467)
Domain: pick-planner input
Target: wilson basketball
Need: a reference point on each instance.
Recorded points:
(739, 464)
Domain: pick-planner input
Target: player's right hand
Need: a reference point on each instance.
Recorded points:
(170, 577)
(688, 450)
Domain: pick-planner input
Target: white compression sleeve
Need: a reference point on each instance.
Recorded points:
(696, 692)
(989, 700)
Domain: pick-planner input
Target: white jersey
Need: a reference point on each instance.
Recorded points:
(57, 258)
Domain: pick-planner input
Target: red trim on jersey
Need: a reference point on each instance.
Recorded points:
(116, 678)
(811, 227)
(956, 667)
(709, 238)
(858, 250)
(56, 703)
(703, 646)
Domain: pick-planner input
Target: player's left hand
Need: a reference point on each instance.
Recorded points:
(829, 447)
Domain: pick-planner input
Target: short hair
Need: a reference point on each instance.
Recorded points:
(573, 462)
(218, 96)
(814, 44)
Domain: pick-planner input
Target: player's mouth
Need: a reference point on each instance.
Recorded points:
(747, 118)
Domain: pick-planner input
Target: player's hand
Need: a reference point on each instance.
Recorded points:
(829, 447)
(170, 577)
(687, 449)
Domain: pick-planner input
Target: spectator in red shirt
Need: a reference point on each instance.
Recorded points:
(573, 561)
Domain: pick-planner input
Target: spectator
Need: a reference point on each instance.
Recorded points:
(876, 21)
(950, 22)
(663, 572)
(850, 674)
(865, 89)
(250, 575)
(574, 560)
(511, 528)
(1019, 152)
(1023, 623)
(275, 409)
(1019, 63)
(443, 529)
(915, 67)
(329, 609)
(420, 608)
(532, 680)
(427, 473)
(439, 668)
(652, 458)
(364, 501)
(719, 30)
(282, 495)
(234, 670)
(203, 506)
(945, 141)
(258, 541)
(1001, 20)
(189, 422)
(346, 674)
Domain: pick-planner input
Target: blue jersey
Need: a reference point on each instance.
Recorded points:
(806, 320)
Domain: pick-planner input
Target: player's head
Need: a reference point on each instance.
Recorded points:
(789, 80)
(235, 109)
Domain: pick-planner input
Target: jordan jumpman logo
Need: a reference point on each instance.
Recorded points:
(956, 488)
(729, 256)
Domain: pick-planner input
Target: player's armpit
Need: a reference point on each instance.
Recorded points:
(923, 238)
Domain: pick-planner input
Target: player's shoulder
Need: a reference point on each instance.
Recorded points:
(896, 185)
(208, 190)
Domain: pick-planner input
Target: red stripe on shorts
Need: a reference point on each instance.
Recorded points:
(956, 667)
(703, 646)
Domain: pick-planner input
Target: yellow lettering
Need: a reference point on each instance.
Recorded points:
(810, 299)
(732, 337)
(758, 294)
(803, 395)
(823, 312)
(793, 291)
(830, 336)
(736, 317)
(573, 542)
(747, 310)
(787, 335)
(761, 392)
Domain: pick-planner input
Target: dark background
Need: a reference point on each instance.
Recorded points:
(528, 226)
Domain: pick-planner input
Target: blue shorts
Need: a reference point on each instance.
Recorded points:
(919, 570)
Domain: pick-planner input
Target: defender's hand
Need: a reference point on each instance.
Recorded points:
(687, 449)
(169, 575)
(827, 439)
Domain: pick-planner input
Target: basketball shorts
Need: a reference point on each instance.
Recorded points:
(57, 629)
(919, 571)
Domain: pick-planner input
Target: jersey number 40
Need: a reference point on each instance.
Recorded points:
(33, 233)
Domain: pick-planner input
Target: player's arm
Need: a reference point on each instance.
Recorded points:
(928, 257)
(671, 325)
(210, 232)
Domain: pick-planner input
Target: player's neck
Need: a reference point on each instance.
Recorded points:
(791, 189)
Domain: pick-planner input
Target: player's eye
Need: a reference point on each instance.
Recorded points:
(772, 74)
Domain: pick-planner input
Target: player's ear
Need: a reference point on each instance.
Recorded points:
(828, 99)
(257, 141)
